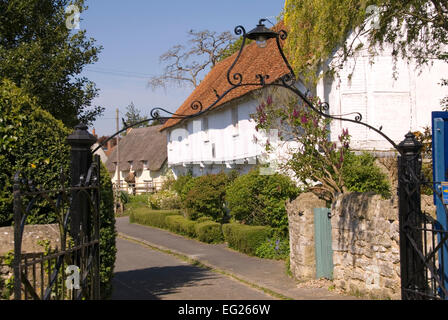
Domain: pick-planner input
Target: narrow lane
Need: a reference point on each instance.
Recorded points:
(145, 274)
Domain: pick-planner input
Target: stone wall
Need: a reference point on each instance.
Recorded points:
(365, 236)
(301, 235)
(31, 236)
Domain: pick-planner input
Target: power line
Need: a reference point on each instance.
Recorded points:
(125, 74)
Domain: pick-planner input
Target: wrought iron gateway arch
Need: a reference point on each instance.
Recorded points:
(423, 240)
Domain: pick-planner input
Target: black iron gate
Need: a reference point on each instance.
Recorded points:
(69, 270)
(423, 240)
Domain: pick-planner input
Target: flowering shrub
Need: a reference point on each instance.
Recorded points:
(317, 162)
(273, 249)
(164, 200)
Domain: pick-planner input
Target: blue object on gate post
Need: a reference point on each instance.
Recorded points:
(440, 176)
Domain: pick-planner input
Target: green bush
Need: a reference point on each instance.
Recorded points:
(34, 142)
(181, 225)
(256, 199)
(245, 238)
(182, 185)
(154, 218)
(362, 175)
(206, 197)
(165, 200)
(209, 232)
(273, 248)
(203, 219)
(108, 234)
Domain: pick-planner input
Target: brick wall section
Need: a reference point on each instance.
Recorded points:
(365, 236)
(301, 235)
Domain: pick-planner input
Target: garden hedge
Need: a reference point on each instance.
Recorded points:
(153, 218)
(181, 225)
(209, 232)
(245, 238)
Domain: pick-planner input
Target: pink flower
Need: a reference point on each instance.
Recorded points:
(269, 100)
(304, 119)
(295, 114)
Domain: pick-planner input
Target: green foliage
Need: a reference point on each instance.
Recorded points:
(256, 199)
(274, 248)
(44, 58)
(315, 31)
(108, 234)
(360, 174)
(134, 115)
(209, 232)
(154, 218)
(7, 285)
(206, 197)
(124, 197)
(323, 166)
(182, 185)
(165, 200)
(35, 143)
(245, 238)
(316, 159)
(32, 142)
(416, 29)
(181, 225)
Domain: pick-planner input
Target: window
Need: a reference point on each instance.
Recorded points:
(213, 151)
(235, 117)
(145, 164)
(205, 128)
(205, 124)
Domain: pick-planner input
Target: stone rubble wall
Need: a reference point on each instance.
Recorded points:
(366, 252)
(31, 236)
(301, 235)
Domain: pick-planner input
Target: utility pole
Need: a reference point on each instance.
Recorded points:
(118, 152)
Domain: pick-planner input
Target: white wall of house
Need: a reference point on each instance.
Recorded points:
(227, 144)
(230, 142)
(398, 105)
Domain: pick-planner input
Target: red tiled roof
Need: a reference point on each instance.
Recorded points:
(253, 61)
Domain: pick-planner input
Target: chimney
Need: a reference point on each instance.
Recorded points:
(93, 133)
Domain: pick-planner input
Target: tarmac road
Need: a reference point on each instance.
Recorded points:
(142, 273)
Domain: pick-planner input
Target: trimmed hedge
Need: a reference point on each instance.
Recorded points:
(181, 225)
(245, 238)
(209, 232)
(154, 218)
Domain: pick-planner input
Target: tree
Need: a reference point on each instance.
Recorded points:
(186, 64)
(44, 58)
(416, 30)
(134, 115)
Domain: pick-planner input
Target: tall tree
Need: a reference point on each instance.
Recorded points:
(43, 54)
(186, 64)
(134, 115)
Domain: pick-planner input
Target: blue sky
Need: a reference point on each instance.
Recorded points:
(135, 33)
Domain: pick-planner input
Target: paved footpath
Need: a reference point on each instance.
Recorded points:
(264, 273)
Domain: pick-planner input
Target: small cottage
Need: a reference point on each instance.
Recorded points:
(139, 163)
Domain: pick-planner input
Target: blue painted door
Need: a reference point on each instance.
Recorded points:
(322, 240)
